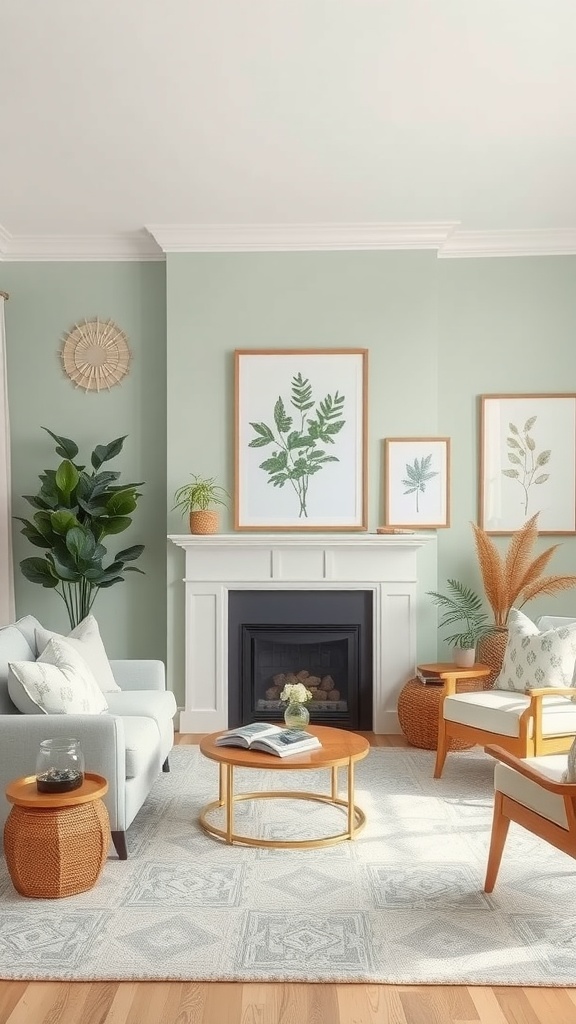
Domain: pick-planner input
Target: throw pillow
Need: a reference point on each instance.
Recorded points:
(570, 773)
(86, 639)
(58, 683)
(534, 659)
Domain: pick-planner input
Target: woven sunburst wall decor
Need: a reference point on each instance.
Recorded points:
(95, 354)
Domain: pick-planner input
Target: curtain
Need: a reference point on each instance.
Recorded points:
(7, 613)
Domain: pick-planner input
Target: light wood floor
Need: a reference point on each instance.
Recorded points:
(23, 1002)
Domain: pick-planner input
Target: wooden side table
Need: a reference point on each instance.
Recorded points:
(419, 705)
(56, 844)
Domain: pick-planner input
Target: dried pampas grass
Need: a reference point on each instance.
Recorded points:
(516, 577)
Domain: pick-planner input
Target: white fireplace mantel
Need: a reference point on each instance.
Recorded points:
(385, 564)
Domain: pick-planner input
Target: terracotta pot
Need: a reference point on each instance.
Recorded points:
(205, 521)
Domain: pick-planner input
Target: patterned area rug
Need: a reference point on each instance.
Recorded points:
(402, 904)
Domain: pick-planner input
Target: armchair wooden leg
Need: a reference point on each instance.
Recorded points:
(500, 826)
(441, 749)
(166, 766)
(119, 840)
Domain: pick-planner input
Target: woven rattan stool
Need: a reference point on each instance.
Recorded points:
(419, 706)
(56, 843)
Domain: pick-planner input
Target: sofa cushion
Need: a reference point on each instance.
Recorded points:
(58, 683)
(530, 794)
(13, 647)
(142, 742)
(85, 637)
(533, 658)
(499, 711)
(28, 626)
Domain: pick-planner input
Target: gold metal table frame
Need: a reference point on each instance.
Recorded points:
(340, 748)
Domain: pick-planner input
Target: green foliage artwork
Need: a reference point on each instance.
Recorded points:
(418, 474)
(298, 439)
(526, 464)
(77, 509)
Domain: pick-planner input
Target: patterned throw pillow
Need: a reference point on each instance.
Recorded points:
(58, 683)
(534, 659)
(86, 639)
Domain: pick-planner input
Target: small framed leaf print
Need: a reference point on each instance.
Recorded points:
(417, 475)
(528, 462)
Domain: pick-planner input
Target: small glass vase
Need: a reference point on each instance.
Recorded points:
(296, 716)
(59, 766)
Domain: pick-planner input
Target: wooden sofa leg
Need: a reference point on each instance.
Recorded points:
(500, 826)
(119, 840)
(442, 747)
(166, 765)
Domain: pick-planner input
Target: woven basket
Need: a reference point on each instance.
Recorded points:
(205, 521)
(56, 852)
(418, 710)
(491, 652)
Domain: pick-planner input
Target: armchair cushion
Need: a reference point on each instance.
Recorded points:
(533, 658)
(499, 711)
(58, 683)
(528, 793)
(85, 637)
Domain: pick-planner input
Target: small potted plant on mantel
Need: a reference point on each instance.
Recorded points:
(196, 499)
(461, 604)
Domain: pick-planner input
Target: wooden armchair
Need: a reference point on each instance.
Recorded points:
(538, 721)
(531, 793)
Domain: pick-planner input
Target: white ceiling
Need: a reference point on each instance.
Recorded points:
(118, 114)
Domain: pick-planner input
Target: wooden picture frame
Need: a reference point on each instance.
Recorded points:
(300, 420)
(417, 482)
(527, 462)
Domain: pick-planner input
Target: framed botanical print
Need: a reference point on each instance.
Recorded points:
(417, 482)
(528, 462)
(300, 439)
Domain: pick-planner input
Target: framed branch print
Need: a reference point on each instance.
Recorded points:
(417, 476)
(300, 439)
(528, 462)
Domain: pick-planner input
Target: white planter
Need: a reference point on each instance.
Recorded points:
(464, 657)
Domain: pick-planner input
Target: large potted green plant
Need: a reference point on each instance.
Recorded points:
(461, 604)
(196, 499)
(77, 510)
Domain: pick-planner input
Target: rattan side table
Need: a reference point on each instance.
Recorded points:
(56, 843)
(419, 705)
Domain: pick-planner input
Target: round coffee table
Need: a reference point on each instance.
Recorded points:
(340, 748)
(56, 844)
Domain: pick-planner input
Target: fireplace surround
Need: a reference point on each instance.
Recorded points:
(383, 565)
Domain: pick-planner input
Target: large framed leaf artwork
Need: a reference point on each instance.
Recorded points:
(417, 482)
(300, 439)
(528, 462)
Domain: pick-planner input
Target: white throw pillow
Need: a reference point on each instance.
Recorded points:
(534, 659)
(86, 639)
(58, 683)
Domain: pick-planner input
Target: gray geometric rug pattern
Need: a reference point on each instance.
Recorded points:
(402, 904)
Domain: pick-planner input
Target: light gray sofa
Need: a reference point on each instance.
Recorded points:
(129, 745)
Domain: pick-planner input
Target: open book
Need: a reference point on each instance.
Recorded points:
(271, 739)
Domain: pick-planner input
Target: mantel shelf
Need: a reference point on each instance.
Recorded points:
(295, 540)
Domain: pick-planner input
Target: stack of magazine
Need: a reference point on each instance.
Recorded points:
(271, 739)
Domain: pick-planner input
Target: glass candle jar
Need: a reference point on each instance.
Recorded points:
(59, 765)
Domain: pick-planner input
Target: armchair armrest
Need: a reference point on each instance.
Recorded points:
(520, 766)
(551, 691)
(139, 675)
(101, 738)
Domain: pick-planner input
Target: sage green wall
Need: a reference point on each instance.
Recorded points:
(46, 299)
(505, 326)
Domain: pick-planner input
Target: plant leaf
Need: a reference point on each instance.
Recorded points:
(67, 449)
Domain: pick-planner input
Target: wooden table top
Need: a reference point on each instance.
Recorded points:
(338, 747)
(448, 668)
(23, 793)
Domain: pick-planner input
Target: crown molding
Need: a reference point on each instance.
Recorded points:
(136, 246)
(540, 242)
(180, 238)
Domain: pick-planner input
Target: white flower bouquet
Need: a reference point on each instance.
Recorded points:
(295, 693)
